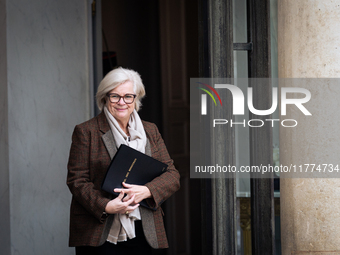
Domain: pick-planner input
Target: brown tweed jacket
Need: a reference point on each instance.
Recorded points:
(91, 151)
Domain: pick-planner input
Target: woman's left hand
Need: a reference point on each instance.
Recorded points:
(141, 192)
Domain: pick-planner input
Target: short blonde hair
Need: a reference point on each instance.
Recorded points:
(115, 78)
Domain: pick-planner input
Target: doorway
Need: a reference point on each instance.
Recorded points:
(158, 39)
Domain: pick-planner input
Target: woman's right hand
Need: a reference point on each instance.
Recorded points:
(118, 206)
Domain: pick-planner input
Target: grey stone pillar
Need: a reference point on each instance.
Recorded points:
(308, 45)
(4, 154)
(44, 93)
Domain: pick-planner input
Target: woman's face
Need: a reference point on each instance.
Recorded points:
(120, 110)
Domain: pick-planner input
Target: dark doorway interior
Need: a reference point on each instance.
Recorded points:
(131, 30)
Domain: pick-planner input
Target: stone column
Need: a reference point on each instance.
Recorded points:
(309, 46)
(44, 93)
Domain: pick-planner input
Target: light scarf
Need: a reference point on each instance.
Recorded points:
(123, 225)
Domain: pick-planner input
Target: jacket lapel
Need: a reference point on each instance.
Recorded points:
(107, 136)
(109, 143)
(148, 221)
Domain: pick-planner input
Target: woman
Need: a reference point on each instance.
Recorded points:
(99, 223)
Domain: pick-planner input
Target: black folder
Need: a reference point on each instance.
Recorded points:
(132, 167)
